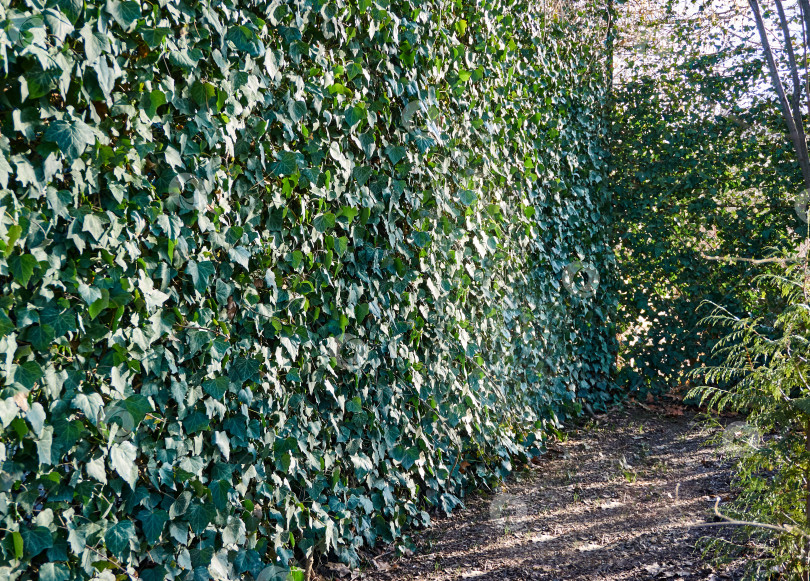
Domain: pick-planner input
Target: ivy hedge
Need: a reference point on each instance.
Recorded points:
(284, 277)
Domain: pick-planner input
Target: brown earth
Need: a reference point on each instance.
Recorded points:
(619, 499)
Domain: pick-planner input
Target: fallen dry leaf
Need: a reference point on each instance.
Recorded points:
(21, 399)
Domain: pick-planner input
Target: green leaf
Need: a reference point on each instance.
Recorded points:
(410, 457)
(467, 197)
(243, 369)
(285, 165)
(201, 273)
(72, 137)
(324, 222)
(17, 541)
(354, 405)
(196, 422)
(40, 336)
(95, 44)
(13, 235)
(244, 40)
(297, 110)
(93, 225)
(395, 154)
(219, 493)
(54, 572)
(153, 37)
(27, 374)
(152, 523)
(61, 320)
(361, 173)
(354, 115)
(156, 99)
(6, 324)
(36, 540)
(22, 268)
(126, 14)
(421, 239)
(71, 8)
(202, 93)
(199, 517)
(216, 387)
(360, 311)
(118, 538)
(122, 460)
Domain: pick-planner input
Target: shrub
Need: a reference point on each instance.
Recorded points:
(763, 372)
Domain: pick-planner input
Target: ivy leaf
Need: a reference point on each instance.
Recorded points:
(243, 369)
(196, 422)
(122, 460)
(199, 517)
(92, 224)
(421, 239)
(202, 93)
(36, 540)
(324, 222)
(361, 173)
(244, 40)
(27, 374)
(72, 137)
(152, 523)
(219, 493)
(6, 324)
(119, 536)
(467, 197)
(354, 115)
(22, 268)
(201, 273)
(54, 572)
(126, 14)
(40, 336)
(153, 37)
(61, 320)
(395, 154)
(286, 164)
(410, 457)
(95, 44)
(297, 110)
(216, 387)
(71, 8)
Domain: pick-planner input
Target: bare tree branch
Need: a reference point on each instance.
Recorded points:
(797, 134)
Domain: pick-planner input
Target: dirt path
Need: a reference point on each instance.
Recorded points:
(615, 501)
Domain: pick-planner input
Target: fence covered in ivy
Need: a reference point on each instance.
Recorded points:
(285, 277)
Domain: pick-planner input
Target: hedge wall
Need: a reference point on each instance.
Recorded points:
(283, 277)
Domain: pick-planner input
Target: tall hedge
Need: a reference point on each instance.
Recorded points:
(282, 277)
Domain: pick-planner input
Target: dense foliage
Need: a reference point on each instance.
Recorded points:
(764, 362)
(701, 167)
(281, 277)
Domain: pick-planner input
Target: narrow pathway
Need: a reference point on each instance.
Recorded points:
(618, 500)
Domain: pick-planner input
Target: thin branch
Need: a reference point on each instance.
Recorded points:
(786, 260)
(741, 523)
(796, 134)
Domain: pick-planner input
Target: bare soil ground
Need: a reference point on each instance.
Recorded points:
(619, 499)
